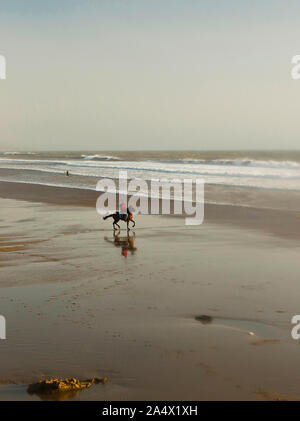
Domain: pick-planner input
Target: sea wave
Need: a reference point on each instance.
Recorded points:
(149, 164)
(239, 162)
(100, 157)
(18, 153)
(257, 169)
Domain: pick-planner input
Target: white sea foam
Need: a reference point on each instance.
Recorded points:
(271, 174)
(100, 157)
(18, 153)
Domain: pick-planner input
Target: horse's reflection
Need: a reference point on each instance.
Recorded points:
(125, 242)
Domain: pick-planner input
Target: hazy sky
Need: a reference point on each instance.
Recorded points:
(149, 74)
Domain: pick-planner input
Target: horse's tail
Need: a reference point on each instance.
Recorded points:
(108, 216)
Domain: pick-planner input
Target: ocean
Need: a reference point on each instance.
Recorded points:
(263, 171)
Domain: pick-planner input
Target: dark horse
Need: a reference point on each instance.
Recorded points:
(126, 217)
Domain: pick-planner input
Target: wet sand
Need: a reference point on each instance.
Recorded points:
(282, 221)
(76, 306)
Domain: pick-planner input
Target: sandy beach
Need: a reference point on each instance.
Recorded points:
(184, 114)
(75, 305)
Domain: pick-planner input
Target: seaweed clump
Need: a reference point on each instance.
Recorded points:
(60, 389)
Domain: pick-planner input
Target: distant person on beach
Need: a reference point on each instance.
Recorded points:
(67, 172)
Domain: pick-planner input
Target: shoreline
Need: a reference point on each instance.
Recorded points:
(283, 223)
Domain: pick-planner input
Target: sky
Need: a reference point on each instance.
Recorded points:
(149, 74)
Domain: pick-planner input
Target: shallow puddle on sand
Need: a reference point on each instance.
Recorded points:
(254, 328)
(13, 392)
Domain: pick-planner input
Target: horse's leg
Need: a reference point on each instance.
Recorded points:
(115, 224)
(116, 220)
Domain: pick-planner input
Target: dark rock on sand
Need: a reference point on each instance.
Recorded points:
(204, 319)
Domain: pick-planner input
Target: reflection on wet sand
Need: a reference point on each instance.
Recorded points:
(127, 243)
